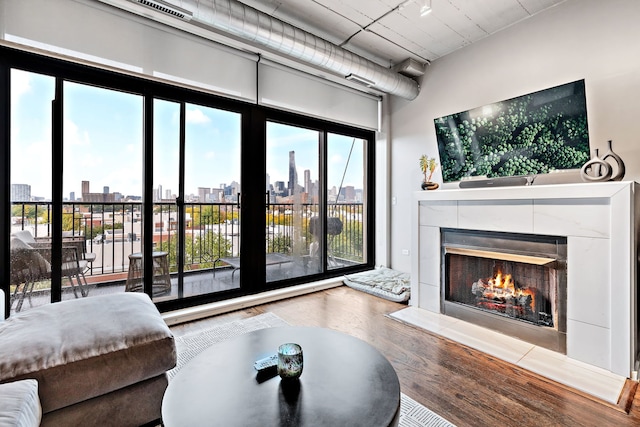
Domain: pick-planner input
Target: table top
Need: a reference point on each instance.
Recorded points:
(271, 258)
(345, 381)
(155, 254)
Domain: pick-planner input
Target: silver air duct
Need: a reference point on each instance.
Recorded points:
(253, 26)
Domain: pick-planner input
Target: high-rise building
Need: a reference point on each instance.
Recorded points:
(85, 187)
(20, 192)
(349, 193)
(293, 174)
(332, 194)
(72, 196)
(279, 188)
(307, 181)
(98, 197)
(203, 194)
(105, 189)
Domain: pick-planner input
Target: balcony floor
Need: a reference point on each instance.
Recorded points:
(195, 283)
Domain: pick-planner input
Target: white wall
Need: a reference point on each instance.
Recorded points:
(593, 40)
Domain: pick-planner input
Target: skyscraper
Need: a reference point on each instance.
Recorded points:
(307, 181)
(203, 194)
(85, 188)
(293, 174)
(20, 192)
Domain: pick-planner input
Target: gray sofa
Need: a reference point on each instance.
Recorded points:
(98, 361)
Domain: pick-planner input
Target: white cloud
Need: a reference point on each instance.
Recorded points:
(20, 84)
(337, 158)
(73, 137)
(196, 116)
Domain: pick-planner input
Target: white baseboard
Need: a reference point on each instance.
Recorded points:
(219, 307)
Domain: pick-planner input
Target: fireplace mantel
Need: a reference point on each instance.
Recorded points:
(600, 222)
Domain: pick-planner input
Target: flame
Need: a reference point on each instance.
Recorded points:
(502, 286)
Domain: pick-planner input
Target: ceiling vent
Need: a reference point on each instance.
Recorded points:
(167, 8)
(410, 68)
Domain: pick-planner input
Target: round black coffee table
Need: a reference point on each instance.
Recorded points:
(345, 382)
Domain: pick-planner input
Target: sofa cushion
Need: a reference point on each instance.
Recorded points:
(19, 404)
(83, 348)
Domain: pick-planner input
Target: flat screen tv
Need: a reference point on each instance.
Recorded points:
(527, 135)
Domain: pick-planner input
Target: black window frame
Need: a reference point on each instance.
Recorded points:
(253, 165)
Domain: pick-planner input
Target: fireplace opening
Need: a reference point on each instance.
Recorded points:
(512, 283)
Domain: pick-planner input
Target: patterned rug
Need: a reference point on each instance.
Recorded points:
(412, 414)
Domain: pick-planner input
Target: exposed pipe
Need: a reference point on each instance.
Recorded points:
(258, 28)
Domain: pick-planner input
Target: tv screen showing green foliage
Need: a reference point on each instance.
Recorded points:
(528, 135)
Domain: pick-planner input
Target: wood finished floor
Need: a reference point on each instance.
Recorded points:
(467, 387)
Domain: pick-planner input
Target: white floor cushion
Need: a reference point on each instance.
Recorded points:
(383, 282)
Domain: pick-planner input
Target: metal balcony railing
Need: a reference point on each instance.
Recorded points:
(113, 231)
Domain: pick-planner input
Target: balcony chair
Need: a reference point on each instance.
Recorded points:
(31, 262)
(73, 267)
(28, 266)
(68, 239)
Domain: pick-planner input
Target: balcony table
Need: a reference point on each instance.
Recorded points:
(161, 276)
(270, 259)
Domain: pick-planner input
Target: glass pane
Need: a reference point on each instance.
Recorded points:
(166, 182)
(212, 186)
(346, 201)
(31, 96)
(102, 186)
(293, 249)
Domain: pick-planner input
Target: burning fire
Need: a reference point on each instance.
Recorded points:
(502, 288)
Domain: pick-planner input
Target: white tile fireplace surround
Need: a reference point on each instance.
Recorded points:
(600, 222)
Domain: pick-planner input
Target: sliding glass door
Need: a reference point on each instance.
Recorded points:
(293, 189)
(167, 215)
(31, 188)
(186, 196)
(102, 188)
(346, 212)
(211, 197)
(317, 194)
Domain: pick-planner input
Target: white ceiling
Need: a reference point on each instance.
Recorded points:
(386, 32)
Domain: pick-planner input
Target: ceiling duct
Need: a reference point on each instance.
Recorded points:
(260, 29)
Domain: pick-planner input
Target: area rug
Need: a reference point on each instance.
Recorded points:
(412, 413)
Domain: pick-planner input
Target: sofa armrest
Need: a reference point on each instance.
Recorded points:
(19, 404)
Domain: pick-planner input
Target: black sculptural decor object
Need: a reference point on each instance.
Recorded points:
(609, 167)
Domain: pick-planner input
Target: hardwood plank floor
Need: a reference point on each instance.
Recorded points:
(467, 387)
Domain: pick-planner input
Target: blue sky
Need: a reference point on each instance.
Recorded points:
(103, 143)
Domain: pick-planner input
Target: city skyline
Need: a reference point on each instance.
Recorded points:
(103, 134)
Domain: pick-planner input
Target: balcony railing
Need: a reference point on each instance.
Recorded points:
(212, 230)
